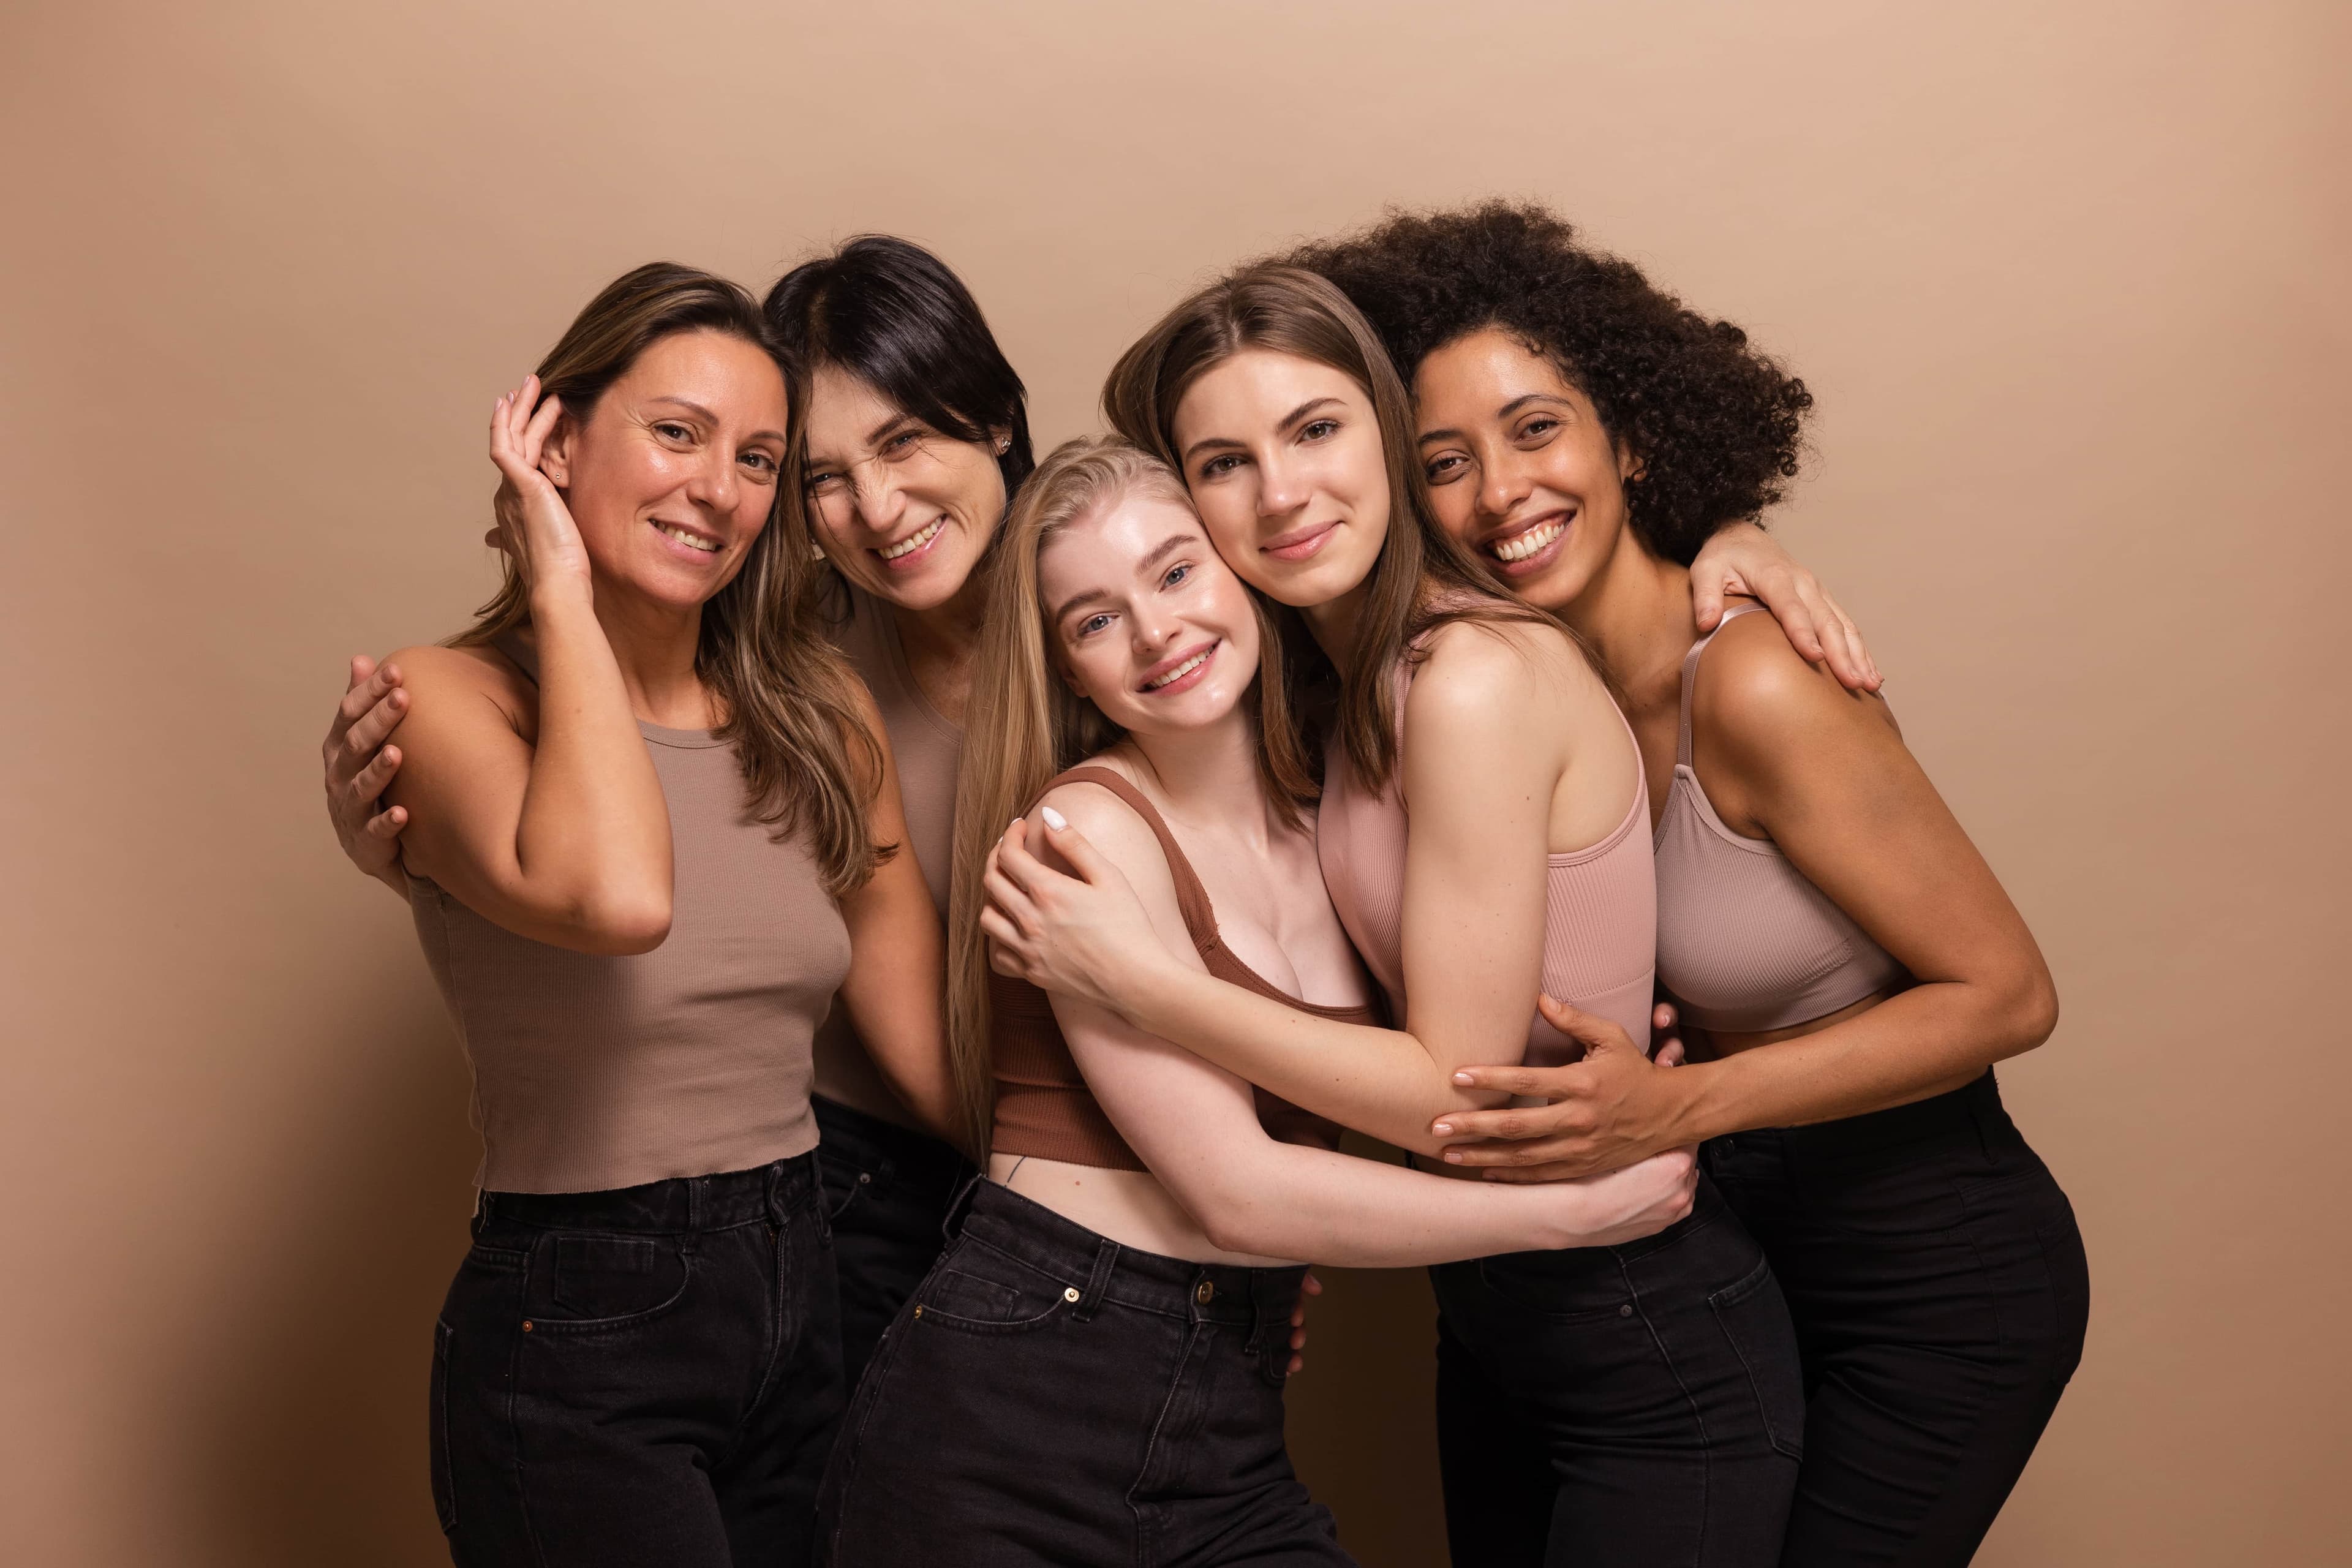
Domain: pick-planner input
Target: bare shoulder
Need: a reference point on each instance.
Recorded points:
(1756, 694)
(1117, 832)
(463, 677)
(1482, 677)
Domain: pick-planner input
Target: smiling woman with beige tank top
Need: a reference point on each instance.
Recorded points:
(1853, 964)
(653, 829)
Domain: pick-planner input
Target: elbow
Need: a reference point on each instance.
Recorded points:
(1229, 1216)
(620, 925)
(2027, 1013)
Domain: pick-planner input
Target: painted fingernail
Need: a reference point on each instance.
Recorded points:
(1453, 1157)
(1055, 819)
(1463, 1078)
(1443, 1129)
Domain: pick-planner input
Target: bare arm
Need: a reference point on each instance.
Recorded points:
(1824, 774)
(1196, 1126)
(897, 960)
(1474, 924)
(555, 829)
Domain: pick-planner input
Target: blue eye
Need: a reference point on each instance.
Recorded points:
(1176, 574)
(1092, 624)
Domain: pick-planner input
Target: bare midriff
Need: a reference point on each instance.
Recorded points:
(1131, 1207)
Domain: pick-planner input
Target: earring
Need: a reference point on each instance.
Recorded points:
(1004, 445)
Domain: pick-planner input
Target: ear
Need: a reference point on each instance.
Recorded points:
(555, 456)
(1628, 467)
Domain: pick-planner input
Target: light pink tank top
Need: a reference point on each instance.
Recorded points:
(1745, 943)
(1600, 910)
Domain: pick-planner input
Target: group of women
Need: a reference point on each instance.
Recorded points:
(1358, 737)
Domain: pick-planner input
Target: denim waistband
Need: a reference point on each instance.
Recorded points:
(1103, 1270)
(1973, 1112)
(717, 1202)
(917, 1159)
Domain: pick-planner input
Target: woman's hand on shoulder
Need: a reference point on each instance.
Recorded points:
(1743, 559)
(1081, 932)
(359, 763)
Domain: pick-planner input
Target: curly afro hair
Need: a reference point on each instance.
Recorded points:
(1713, 425)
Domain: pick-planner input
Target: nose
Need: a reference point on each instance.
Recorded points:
(716, 485)
(1503, 484)
(880, 502)
(1154, 628)
(1281, 487)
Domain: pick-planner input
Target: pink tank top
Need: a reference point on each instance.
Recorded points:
(1745, 943)
(1600, 910)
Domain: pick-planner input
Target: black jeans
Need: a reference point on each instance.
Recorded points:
(1940, 1294)
(1051, 1399)
(639, 1376)
(887, 1189)
(1637, 1406)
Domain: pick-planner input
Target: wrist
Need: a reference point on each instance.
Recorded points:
(1699, 1104)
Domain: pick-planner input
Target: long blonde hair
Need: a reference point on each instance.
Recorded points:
(810, 766)
(1023, 724)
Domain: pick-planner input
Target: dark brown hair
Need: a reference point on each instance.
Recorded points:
(810, 764)
(1423, 579)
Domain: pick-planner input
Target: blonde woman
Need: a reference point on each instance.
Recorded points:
(1098, 1357)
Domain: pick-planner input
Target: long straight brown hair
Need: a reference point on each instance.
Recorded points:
(810, 764)
(1025, 725)
(1423, 577)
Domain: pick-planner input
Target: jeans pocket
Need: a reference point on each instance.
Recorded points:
(445, 1491)
(979, 1299)
(600, 1283)
(1753, 1317)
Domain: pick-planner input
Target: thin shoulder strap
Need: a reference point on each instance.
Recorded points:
(1690, 675)
(1192, 897)
(515, 648)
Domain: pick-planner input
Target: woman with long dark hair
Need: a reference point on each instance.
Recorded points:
(653, 823)
(1853, 966)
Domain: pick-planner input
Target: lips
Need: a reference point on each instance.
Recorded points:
(1179, 670)
(906, 550)
(692, 539)
(1299, 544)
(1530, 548)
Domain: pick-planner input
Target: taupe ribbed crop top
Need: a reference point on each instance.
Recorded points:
(1745, 943)
(1600, 932)
(596, 1072)
(1044, 1107)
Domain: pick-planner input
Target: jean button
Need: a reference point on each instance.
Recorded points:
(1625, 1311)
(1204, 1292)
(1069, 1292)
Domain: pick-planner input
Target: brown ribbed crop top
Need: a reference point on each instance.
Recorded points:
(1745, 943)
(1599, 935)
(596, 1072)
(1044, 1107)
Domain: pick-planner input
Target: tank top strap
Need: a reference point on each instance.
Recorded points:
(1191, 895)
(1690, 675)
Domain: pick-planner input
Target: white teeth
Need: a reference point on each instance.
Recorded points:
(913, 542)
(1526, 544)
(1180, 673)
(691, 541)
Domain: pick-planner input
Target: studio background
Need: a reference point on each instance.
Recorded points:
(2069, 283)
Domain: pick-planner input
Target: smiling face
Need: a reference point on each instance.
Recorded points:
(1144, 619)
(1519, 466)
(673, 474)
(904, 511)
(1283, 456)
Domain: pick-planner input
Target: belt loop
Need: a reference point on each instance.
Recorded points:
(1106, 1259)
(771, 1200)
(951, 1223)
(482, 1210)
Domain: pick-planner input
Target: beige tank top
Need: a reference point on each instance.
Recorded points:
(1745, 943)
(597, 1072)
(1599, 902)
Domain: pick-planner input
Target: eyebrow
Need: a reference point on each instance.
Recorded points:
(1505, 412)
(1167, 547)
(693, 407)
(1285, 422)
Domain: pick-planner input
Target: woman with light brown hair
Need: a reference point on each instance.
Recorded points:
(1098, 1357)
(651, 831)
(1480, 832)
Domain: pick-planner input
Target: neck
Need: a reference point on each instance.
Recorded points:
(939, 644)
(654, 645)
(1202, 773)
(1636, 614)
(1333, 624)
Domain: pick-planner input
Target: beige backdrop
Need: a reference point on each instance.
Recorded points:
(2070, 287)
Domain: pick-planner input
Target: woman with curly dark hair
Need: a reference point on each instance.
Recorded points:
(1851, 965)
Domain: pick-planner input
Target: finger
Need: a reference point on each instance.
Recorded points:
(1840, 647)
(1591, 1030)
(1518, 1135)
(1662, 1018)
(386, 825)
(1009, 897)
(369, 782)
(363, 671)
(1707, 600)
(1798, 607)
(1073, 846)
(1669, 1055)
(1297, 1365)
(1507, 1079)
(1014, 861)
(1853, 635)
(1310, 1285)
(378, 721)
